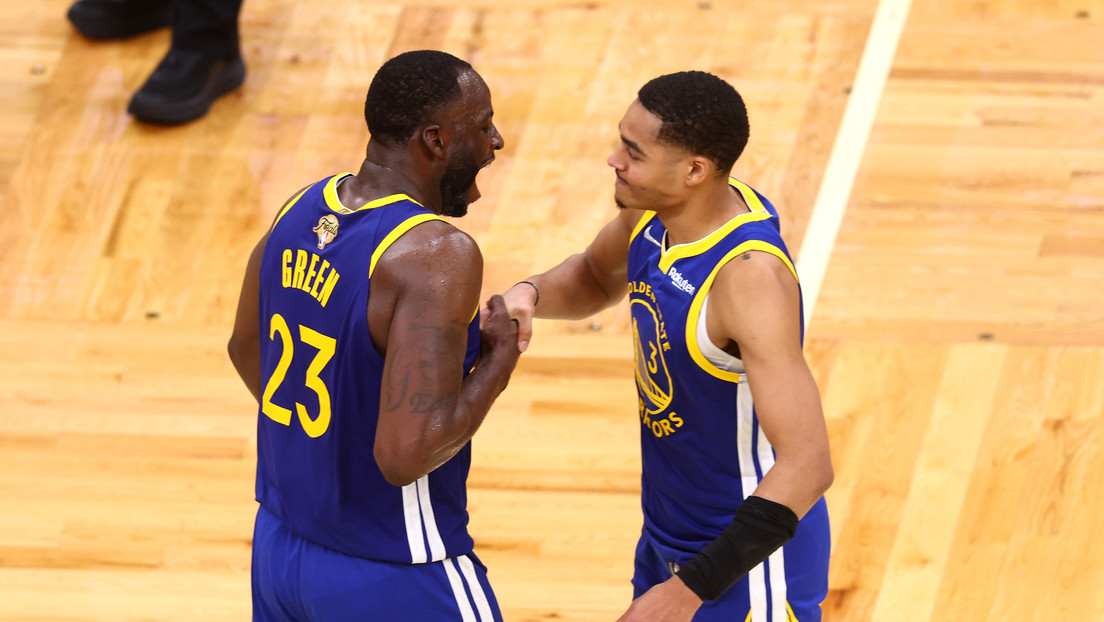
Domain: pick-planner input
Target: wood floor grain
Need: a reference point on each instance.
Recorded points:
(958, 339)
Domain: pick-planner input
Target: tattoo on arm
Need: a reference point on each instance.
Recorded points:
(397, 382)
(746, 256)
(411, 368)
(422, 403)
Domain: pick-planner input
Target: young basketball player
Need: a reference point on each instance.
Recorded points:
(734, 444)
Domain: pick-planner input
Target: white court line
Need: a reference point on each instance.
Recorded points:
(847, 152)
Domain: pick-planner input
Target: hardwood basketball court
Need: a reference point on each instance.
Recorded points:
(957, 336)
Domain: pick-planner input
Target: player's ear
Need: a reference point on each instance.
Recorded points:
(430, 135)
(700, 169)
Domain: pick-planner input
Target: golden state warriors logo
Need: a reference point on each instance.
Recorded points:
(326, 230)
(653, 378)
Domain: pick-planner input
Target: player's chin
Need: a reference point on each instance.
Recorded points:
(619, 198)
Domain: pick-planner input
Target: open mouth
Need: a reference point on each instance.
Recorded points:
(473, 191)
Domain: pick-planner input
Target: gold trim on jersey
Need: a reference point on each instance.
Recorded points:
(332, 202)
(402, 228)
(292, 201)
(758, 212)
(699, 300)
(640, 224)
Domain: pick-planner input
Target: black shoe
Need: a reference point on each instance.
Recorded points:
(118, 19)
(184, 86)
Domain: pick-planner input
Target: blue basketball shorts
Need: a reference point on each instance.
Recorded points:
(788, 587)
(295, 580)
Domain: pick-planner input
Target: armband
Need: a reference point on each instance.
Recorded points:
(759, 528)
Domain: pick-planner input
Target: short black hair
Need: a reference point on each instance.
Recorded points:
(407, 89)
(700, 113)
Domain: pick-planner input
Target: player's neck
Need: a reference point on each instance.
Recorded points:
(385, 172)
(702, 214)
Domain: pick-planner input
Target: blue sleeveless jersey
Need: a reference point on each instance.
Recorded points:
(702, 449)
(320, 377)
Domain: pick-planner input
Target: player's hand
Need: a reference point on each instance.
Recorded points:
(519, 304)
(499, 331)
(670, 601)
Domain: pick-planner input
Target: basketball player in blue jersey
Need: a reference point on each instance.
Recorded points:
(734, 444)
(357, 333)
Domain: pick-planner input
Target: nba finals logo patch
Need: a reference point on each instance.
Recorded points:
(326, 230)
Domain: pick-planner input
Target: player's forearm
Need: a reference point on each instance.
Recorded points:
(445, 432)
(244, 347)
(798, 483)
(427, 419)
(766, 520)
(245, 356)
(787, 403)
(801, 474)
(759, 528)
(477, 394)
(571, 291)
(446, 428)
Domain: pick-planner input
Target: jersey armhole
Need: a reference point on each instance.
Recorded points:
(697, 307)
(288, 205)
(395, 234)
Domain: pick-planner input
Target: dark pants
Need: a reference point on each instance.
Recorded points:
(208, 26)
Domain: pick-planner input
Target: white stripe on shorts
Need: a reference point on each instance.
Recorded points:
(778, 586)
(480, 597)
(466, 613)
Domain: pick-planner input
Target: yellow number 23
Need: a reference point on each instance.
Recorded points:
(326, 346)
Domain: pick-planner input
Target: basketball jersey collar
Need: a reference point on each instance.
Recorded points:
(668, 256)
(335, 205)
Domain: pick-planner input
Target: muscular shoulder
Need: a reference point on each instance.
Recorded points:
(432, 247)
(434, 272)
(752, 269)
(758, 294)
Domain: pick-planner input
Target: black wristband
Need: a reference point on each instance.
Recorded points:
(537, 289)
(759, 528)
